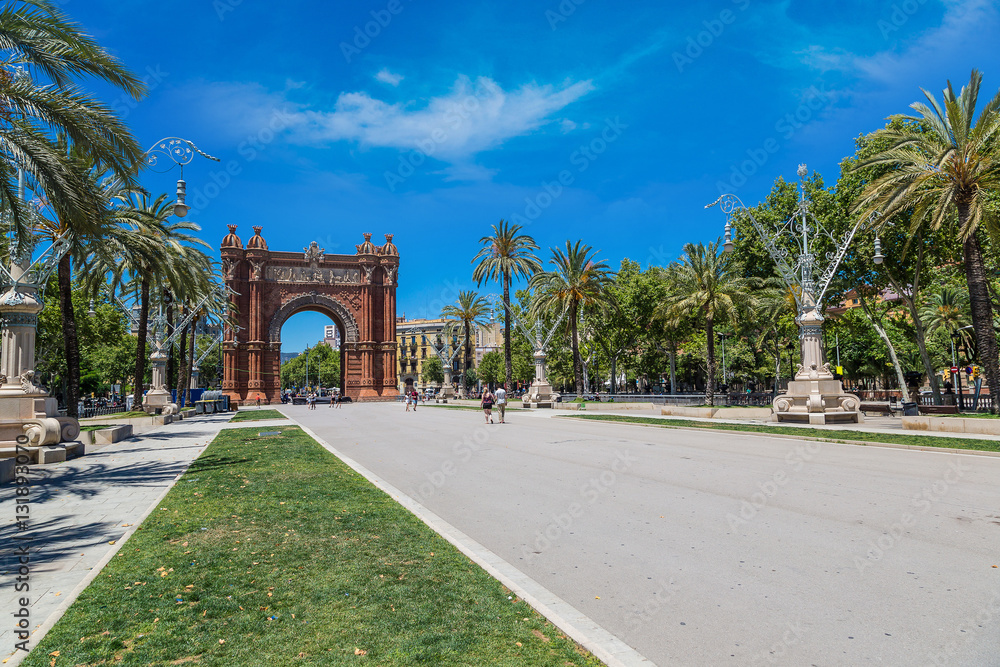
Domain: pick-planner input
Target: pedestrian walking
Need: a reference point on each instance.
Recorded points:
(409, 400)
(501, 401)
(487, 404)
(416, 399)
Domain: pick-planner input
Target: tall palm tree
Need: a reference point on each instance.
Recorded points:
(710, 286)
(578, 281)
(43, 55)
(505, 255)
(947, 162)
(471, 311)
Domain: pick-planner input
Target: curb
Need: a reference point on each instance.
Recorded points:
(606, 647)
(789, 436)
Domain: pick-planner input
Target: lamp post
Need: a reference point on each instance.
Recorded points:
(814, 395)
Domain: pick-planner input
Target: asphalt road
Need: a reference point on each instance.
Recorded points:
(713, 548)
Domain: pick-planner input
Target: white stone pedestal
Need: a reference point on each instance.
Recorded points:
(540, 392)
(25, 408)
(158, 400)
(814, 396)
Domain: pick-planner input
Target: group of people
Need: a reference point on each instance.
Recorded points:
(412, 399)
(496, 398)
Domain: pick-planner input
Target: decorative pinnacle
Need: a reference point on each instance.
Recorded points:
(803, 171)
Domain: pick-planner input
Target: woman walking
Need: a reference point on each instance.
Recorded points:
(487, 404)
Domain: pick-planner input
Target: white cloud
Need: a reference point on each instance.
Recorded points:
(385, 76)
(471, 118)
(567, 125)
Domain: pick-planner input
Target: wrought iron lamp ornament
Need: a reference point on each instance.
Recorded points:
(807, 269)
(180, 152)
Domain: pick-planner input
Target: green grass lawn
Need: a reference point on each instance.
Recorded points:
(96, 427)
(248, 415)
(270, 551)
(820, 434)
(972, 415)
(125, 415)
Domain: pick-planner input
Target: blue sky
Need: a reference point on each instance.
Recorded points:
(432, 121)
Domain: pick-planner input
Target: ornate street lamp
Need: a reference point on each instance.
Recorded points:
(180, 152)
(814, 396)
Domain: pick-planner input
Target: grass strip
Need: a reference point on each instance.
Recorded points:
(819, 434)
(97, 427)
(271, 551)
(256, 415)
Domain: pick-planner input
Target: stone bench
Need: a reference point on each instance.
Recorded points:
(106, 436)
(46, 453)
(876, 407)
(938, 409)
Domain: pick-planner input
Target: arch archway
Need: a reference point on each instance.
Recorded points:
(358, 292)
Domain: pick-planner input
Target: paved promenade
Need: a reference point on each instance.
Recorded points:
(710, 547)
(82, 509)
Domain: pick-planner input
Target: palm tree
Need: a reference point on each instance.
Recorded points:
(578, 281)
(147, 251)
(948, 310)
(472, 311)
(711, 287)
(946, 164)
(505, 255)
(38, 40)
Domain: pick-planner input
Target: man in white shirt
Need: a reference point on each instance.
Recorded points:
(501, 396)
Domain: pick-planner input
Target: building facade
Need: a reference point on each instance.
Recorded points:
(420, 340)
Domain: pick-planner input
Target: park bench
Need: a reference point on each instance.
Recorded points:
(876, 407)
(938, 409)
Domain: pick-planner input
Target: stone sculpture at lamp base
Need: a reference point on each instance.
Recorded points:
(26, 409)
(815, 396)
(539, 394)
(159, 401)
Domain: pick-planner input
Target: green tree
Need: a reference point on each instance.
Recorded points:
(505, 255)
(946, 163)
(432, 371)
(491, 368)
(577, 282)
(471, 311)
(712, 287)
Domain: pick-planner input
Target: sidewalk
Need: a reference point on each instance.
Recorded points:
(80, 513)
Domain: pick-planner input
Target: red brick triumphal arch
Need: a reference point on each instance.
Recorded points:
(358, 292)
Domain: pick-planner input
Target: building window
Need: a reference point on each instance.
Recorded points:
(423, 353)
(413, 340)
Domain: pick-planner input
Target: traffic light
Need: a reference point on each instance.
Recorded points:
(975, 372)
(946, 375)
